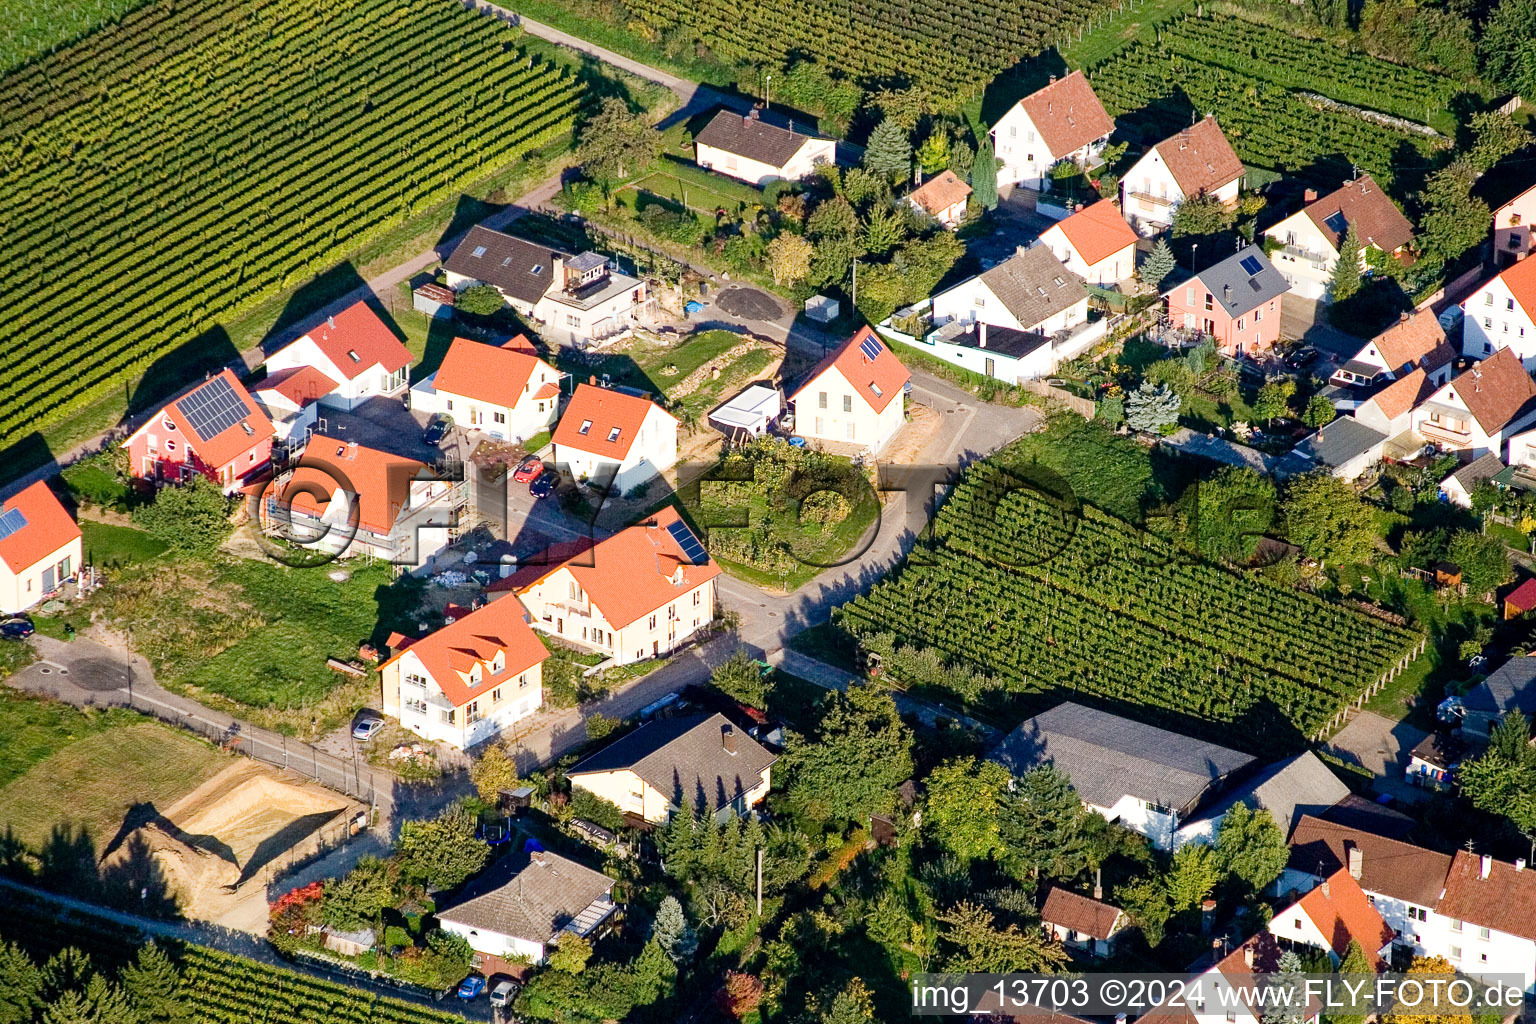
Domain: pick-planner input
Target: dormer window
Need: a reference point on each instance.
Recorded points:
(474, 676)
(586, 427)
(499, 662)
(876, 389)
(613, 435)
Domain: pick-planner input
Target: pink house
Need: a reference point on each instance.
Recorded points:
(214, 428)
(1236, 302)
(1513, 236)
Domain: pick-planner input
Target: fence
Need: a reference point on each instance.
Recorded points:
(1510, 105)
(1084, 407)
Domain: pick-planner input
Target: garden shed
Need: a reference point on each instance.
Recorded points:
(749, 414)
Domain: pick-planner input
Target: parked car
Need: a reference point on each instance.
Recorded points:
(528, 469)
(365, 728)
(1301, 358)
(437, 429)
(503, 992)
(16, 629)
(545, 484)
(471, 987)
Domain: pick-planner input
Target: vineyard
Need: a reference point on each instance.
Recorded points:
(1048, 603)
(181, 166)
(1251, 75)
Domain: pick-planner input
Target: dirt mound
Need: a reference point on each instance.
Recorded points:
(751, 303)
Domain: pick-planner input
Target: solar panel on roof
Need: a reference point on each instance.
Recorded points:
(11, 520)
(870, 347)
(1251, 264)
(213, 408)
(692, 549)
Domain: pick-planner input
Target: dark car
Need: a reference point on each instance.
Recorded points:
(545, 485)
(1301, 358)
(528, 469)
(16, 629)
(435, 432)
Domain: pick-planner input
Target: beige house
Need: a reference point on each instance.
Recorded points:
(699, 762)
(39, 547)
(1310, 238)
(1198, 161)
(855, 396)
(942, 197)
(1095, 243)
(1064, 120)
(508, 391)
(1513, 235)
(1481, 409)
(750, 148)
(641, 593)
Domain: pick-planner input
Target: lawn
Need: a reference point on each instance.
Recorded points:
(1120, 29)
(695, 196)
(95, 780)
(34, 728)
(110, 546)
(92, 481)
(666, 368)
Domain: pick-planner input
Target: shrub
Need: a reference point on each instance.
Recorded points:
(824, 508)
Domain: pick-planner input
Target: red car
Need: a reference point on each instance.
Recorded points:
(528, 469)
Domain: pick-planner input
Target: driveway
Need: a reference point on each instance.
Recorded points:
(1307, 320)
(1381, 746)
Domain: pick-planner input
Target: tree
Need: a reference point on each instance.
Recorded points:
(965, 799)
(1202, 215)
(493, 771)
(740, 995)
(1192, 876)
(1454, 220)
(1043, 826)
(571, 953)
(1346, 269)
(883, 230)
(1274, 400)
(1319, 412)
(671, 931)
(1353, 967)
(961, 158)
(1145, 901)
(1435, 1007)
(154, 987)
(1484, 565)
(861, 187)
(1158, 264)
(984, 176)
(191, 517)
(1151, 407)
(850, 768)
(1325, 517)
(99, 1002)
(1235, 507)
(356, 899)
(852, 1005)
(614, 142)
(889, 153)
(21, 986)
(479, 300)
(1250, 847)
(1502, 780)
(1289, 1005)
(789, 258)
(976, 945)
(441, 852)
(742, 677)
(1496, 136)
(933, 154)
(1508, 46)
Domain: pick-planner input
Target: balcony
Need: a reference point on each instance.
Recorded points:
(1152, 200)
(1318, 260)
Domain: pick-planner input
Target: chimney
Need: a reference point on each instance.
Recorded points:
(1355, 858)
(1309, 195)
(1486, 866)
(592, 380)
(330, 322)
(540, 859)
(1248, 955)
(1402, 318)
(1098, 884)
(1325, 889)
(983, 335)
(752, 114)
(1226, 291)
(728, 739)
(1053, 79)
(1019, 250)
(1207, 916)
(1519, 863)
(1078, 208)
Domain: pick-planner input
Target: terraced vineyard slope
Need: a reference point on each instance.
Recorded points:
(173, 170)
(1049, 602)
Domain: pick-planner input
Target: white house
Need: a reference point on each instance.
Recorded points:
(1416, 340)
(856, 395)
(507, 392)
(577, 299)
(1147, 779)
(355, 349)
(616, 437)
(1030, 291)
(1390, 410)
(641, 593)
(349, 499)
(1287, 790)
(751, 148)
(749, 414)
(518, 908)
(40, 547)
(1479, 410)
(1458, 487)
(1221, 988)
(1347, 447)
(466, 682)
(1489, 907)
(1095, 243)
(1330, 916)
(291, 400)
(1311, 237)
(1063, 121)
(1197, 161)
(699, 762)
(1502, 314)
(1513, 234)
(942, 197)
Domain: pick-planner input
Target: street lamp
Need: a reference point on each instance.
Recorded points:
(768, 93)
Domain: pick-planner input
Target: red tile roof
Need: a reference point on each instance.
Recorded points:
(1502, 901)
(1496, 390)
(1520, 279)
(1080, 913)
(49, 527)
(1415, 340)
(301, 385)
(229, 444)
(1067, 114)
(877, 380)
(603, 409)
(1200, 158)
(1098, 231)
(1376, 218)
(1400, 870)
(358, 329)
(629, 574)
(1403, 394)
(381, 481)
(940, 192)
(1523, 597)
(1341, 911)
(451, 652)
(489, 374)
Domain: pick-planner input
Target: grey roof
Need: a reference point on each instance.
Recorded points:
(1287, 790)
(1034, 285)
(1508, 689)
(1235, 288)
(1340, 441)
(685, 758)
(527, 898)
(584, 261)
(1005, 341)
(1478, 470)
(1108, 757)
(752, 138)
(508, 263)
(1219, 449)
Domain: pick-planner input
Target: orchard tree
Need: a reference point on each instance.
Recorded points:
(493, 771)
(1274, 400)
(1250, 847)
(789, 258)
(933, 154)
(1437, 1007)
(976, 945)
(965, 806)
(850, 767)
(1454, 220)
(356, 899)
(1326, 518)
(441, 852)
(615, 142)
(1484, 565)
(1192, 876)
(1319, 412)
